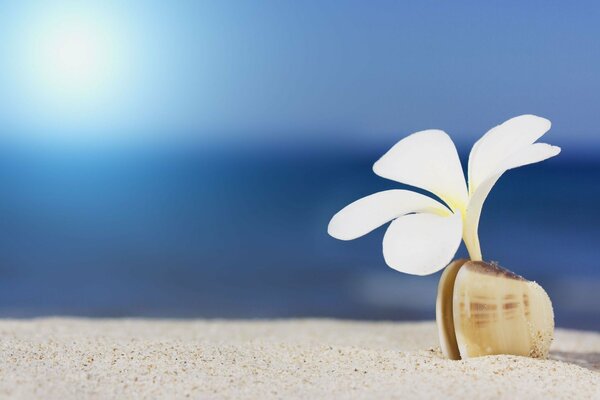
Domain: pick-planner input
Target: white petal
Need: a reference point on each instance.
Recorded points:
(421, 244)
(428, 160)
(531, 154)
(489, 153)
(368, 213)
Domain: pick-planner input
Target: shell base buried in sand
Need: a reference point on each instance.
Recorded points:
(483, 309)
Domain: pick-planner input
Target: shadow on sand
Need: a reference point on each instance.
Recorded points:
(586, 360)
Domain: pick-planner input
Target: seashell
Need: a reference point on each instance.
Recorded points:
(483, 309)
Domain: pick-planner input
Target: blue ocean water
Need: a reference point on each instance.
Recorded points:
(210, 232)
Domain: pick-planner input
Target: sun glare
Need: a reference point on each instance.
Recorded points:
(72, 61)
(73, 58)
(68, 68)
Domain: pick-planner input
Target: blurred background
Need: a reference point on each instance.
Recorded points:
(183, 159)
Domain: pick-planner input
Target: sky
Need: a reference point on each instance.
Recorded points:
(354, 71)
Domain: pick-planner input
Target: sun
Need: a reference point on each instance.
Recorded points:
(71, 69)
(73, 57)
(71, 60)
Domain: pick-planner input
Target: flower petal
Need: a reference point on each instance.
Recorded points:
(368, 213)
(428, 160)
(490, 152)
(421, 244)
(531, 154)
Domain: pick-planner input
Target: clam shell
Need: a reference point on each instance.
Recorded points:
(483, 309)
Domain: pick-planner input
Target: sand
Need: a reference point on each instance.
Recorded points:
(129, 359)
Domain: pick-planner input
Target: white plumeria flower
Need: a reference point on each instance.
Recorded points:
(425, 234)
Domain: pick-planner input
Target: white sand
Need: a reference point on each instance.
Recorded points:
(128, 359)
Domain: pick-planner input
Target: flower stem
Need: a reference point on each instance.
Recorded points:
(474, 249)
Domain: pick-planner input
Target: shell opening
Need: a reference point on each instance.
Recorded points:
(444, 312)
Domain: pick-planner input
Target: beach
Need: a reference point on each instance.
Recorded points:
(73, 358)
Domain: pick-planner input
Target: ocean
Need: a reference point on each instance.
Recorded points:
(218, 233)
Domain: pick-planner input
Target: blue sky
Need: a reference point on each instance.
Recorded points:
(312, 70)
